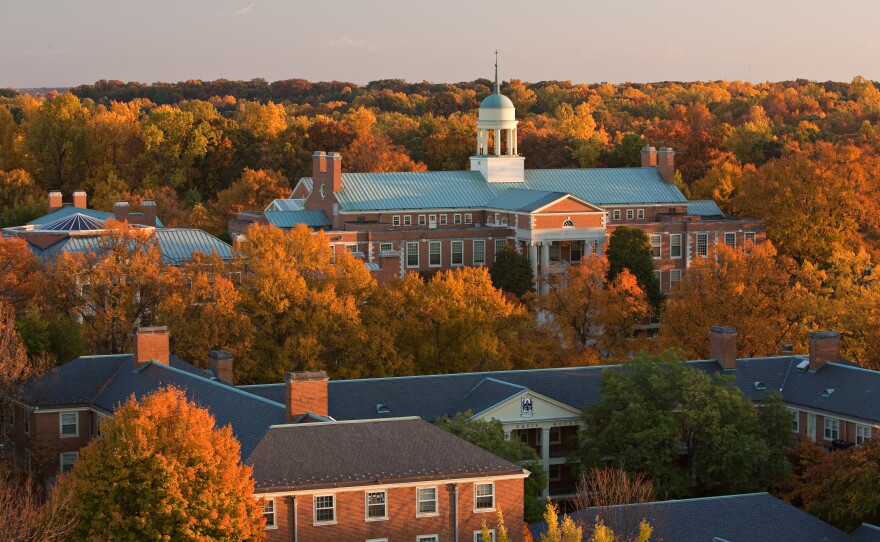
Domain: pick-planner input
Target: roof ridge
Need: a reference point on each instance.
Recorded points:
(346, 422)
(693, 499)
(216, 383)
(104, 386)
(517, 371)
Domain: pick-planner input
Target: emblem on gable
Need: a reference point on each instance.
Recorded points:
(526, 407)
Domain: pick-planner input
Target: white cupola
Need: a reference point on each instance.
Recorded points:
(496, 156)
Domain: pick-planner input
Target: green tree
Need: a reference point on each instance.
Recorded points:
(627, 153)
(163, 471)
(512, 272)
(55, 142)
(693, 434)
(489, 435)
(629, 248)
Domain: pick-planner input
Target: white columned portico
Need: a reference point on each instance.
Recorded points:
(545, 456)
(533, 259)
(545, 266)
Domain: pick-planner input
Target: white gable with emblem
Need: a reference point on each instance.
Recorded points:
(529, 406)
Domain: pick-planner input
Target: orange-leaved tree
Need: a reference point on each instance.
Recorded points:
(163, 471)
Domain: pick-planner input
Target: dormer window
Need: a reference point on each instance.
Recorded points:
(382, 409)
(827, 392)
(760, 386)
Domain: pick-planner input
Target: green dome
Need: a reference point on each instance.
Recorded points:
(496, 101)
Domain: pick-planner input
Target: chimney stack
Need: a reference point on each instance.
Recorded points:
(80, 200)
(824, 347)
(55, 202)
(666, 164)
(649, 157)
(319, 163)
(334, 170)
(148, 209)
(306, 392)
(150, 344)
(220, 361)
(722, 345)
(120, 211)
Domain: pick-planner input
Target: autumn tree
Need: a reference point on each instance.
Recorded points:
(254, 190)
(19, 268)
(629, 248)
(691, 433)
(164, 471)
(560, 531)
(28, 515)
(55, 143)
(20, 199)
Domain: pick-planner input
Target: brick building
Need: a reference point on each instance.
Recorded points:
(426, 221)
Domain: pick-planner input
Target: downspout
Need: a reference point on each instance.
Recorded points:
(455, 509)
(295, 504)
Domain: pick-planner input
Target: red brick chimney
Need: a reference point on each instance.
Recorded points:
(334, 170)
(150, 344)
(319, 163)
(220, 361)
(722, 345)
(120, 211)
(80, 200)
(306, 392)
(666, 164)
(148, 209)
(649, 157)
(55, 201)
(824, 347)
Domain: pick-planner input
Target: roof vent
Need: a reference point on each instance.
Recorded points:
(382, 409)
(827, 392)
(787, 348)
(760, 385)
(803, 365)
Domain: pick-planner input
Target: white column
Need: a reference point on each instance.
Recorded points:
(479, 141)
(545, 266)
(545, 457)
(533, 258)
(497, 142)
(514, 143)
(510, 142)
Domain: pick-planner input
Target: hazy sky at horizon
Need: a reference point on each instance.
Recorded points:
(64, 43)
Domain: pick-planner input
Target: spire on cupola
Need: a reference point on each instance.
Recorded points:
(496, 156)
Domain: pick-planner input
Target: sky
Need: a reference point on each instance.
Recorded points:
(55, 43)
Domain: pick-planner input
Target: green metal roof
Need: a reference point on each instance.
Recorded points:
(518, 199)
(291, 219)
(496, 101)
(704, 207)
(468, 189)
(179, 244)
(69, 210)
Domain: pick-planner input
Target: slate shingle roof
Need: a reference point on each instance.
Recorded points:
(756, 517)
(346, 454)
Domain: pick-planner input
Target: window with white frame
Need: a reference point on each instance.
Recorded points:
(484, 497)
(478, 535)
(101, 418)
(386, 247)
(749, 236)
(730, 239)
(863, 433)
(640, 214)
(351, 248)
(428, 538)
(675, 245)
(629, 214)
(325, 509)
(479, 252)
(377, 505)
(594, 246)
(703, 245)
(468, 218)
(407, 220)
(426, 501)
(659, 276)
(456, 218)
(656, 242)
(434, 255)
(432, 220)
(412, 254)
(555, 252)
(456, 249)
(500, 245)
(617, 214)
(832, 429)
(422, 221)
(269, 514)
(442, 220)
(69, 424)
(67, 461)
(555, 435)
(674, 277)
(395, 220)
(795, 420)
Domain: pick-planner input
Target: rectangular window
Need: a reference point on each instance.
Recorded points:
(795, 420)
(500, 245)
(478, 535)
(412, 254)
(656, 241)
(442, 220)
(554, 473)
(484, 497)
(468, 218)
(100, 423)
(325, 509)
(422, 220)
(594, 246)
(376, 505)
(67, 461)
(427, 538)
(555, 435)
(832, 429)
(395, 220)
(407, 220)
(426, 501)
(674, 277)
(863, 433)
(479, 252)
(617, 214)
(434, 254)
(456, 219)
(640, 214)
(675, 245)
(659, 276)
(749, 236)
(351, 248)
(730, 239)
(386, 247)
(555, 252)
(432, 221)
(457, 250)
(703, 245)
(576, 251)
(629, 214)
(69, 424)
(269, 514)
